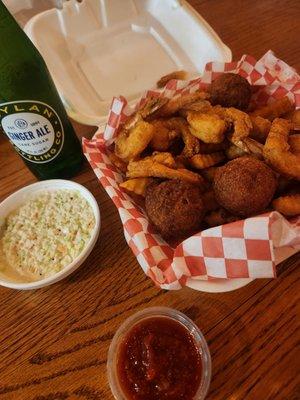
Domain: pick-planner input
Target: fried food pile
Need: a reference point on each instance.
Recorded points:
(204, 159)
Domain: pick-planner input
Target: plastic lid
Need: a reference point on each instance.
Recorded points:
(99, 49)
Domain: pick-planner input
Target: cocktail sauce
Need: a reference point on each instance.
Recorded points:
(159, 360)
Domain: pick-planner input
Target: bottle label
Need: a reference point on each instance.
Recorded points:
(34, 129)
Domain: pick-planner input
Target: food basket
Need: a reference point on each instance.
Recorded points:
(224, 257)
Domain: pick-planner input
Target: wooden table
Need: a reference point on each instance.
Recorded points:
(54, 341)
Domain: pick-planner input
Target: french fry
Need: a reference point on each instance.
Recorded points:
(163, 158)
(287, 205)
(201, 161)
(150, 168)
(276, 109)
(210, 128)
(136, 185)
(172, 75)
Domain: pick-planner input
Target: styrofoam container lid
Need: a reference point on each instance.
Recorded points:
(97, 49)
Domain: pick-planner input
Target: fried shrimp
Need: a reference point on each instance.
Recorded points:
(276, 109)
(202, 161)
(242, 126)
(164, 134)
(165, 131)
(261, 128)
(150, 106)
(136, 185)
(179, 101)
(191, 143)
(130, 144)
(287, 205)
(277, 152)
(210, 128)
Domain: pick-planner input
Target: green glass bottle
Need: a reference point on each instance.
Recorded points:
(31, 112)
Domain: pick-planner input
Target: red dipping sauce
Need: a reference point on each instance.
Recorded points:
(158, 359)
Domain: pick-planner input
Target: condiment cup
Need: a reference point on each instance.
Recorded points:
(151, 312)
(18, 198)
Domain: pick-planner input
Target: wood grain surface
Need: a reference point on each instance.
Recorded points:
(54, 341)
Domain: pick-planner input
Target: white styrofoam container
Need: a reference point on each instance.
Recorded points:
(97, 49)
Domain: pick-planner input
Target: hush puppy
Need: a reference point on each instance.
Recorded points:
(231, 90)
(244, 186)
(175, 208)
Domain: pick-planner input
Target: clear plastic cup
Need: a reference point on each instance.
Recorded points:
(175, 315)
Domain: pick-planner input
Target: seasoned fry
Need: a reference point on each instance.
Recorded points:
(136, 185)
(163, 158)
(148, 168)
(130, 144)
(261, 128)
(294, 142)
(234, 152)
(117, 162)
(210, 128)
(219, 217)
(172, 75)
(276, 109)
(179, 101)
(277, 150)
(287, 205)
(209, 201)
(201, 161)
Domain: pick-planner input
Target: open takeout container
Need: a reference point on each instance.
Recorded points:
(222, 258)
(97, 49)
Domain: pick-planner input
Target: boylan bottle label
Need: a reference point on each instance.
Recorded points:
(34, 129)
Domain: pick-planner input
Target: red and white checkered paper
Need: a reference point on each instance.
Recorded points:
(249, 248)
